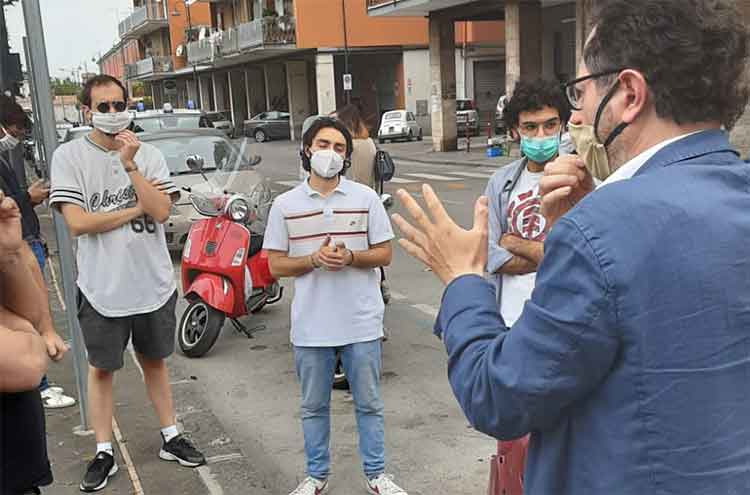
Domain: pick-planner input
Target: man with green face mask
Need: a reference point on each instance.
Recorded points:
(536, 115)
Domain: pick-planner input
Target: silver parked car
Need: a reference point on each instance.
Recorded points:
(221, 121)
(467, 118)
(227, 167)
(399, 124)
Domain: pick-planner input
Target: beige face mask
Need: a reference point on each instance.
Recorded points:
(591, 151)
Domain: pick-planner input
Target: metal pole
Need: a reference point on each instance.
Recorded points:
(347, 93)
(38, 57)
(35, 111)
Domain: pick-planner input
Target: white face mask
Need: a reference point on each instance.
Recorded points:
(111, 123)
(8, 142)
(327, 163)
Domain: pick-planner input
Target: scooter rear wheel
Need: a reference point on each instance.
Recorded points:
(199, 328)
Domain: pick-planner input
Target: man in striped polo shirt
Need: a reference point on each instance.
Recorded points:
(331, 235)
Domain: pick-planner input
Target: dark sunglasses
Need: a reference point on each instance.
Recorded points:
(104, 106)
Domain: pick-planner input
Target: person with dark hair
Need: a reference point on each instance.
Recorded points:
(363, 155)
(14, 123)
(629, 365)
(535, 114)
(331, 234)
(115, 194)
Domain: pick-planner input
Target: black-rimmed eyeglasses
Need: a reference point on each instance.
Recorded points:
(574, 94)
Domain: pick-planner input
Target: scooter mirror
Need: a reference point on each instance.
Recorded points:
(195, 163)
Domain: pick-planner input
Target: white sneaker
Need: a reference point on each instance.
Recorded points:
(52, 399)
(384, 485)
(310, 486)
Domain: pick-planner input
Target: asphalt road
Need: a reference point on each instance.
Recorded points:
(251, 387)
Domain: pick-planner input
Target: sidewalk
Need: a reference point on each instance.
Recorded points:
(422, 152)
(137, 441)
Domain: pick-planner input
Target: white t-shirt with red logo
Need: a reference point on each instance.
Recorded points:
(524, 219)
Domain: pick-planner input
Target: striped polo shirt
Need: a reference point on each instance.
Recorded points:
(331, 309)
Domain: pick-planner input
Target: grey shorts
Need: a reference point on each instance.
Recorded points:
(107, 338)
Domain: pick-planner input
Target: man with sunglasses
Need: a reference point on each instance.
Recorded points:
(629, 365)
(115, 193)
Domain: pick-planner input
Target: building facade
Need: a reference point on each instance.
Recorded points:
(244, 57)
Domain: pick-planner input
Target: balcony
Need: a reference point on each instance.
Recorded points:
(277, 30)
(149, 66)
(423, 8)
(264, 33)
(201, 51)
(144, 20)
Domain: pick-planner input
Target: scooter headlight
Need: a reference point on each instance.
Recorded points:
(238, 209)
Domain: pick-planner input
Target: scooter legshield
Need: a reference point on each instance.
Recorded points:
(214, 290)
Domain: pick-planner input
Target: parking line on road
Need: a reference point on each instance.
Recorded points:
(399, 180)
(473, 175)
(427, 309)
(288, 183)
(224, 458)
(433, 177)
(397, 296)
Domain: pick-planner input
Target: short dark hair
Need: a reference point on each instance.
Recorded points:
(325, 123)
(351, 116)
(11, 114)
(692, 53)
(100, 80)
(531, 96)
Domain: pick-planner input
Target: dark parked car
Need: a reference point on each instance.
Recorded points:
(268, 125)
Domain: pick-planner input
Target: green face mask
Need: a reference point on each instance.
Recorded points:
(540, 150)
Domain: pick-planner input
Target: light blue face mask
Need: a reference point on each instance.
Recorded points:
(540, 150)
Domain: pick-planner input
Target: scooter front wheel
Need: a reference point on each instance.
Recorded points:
(199, 328)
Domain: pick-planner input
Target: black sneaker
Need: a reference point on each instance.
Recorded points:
(180, 449)
(98, 472)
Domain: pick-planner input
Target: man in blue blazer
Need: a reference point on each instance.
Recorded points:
(630, 365)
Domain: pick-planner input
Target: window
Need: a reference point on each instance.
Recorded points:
(393, 116)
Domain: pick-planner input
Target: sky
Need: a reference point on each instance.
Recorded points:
(75, 31)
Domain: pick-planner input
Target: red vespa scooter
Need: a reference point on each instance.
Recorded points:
(225, 272)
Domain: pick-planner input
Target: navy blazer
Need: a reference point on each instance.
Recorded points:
(630, 365)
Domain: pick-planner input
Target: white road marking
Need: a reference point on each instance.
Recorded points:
(397, 296)
(288, 183)
(434, 177)
(399, 180)
(427, 309)
(134, 478)
(223, 458)
(214, 488)
(473, 175)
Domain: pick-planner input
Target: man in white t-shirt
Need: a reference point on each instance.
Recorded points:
(536, 115)
(115, 193)
(331, 235)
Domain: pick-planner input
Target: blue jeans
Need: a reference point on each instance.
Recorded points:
(315, 368)
(38, 249)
